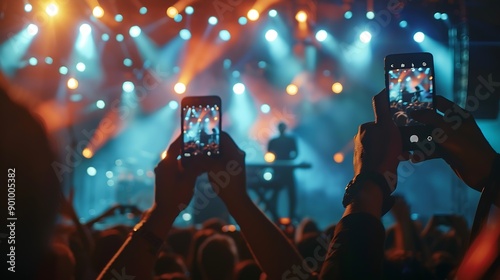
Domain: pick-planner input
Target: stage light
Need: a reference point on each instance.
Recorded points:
(128, 86)
(127, 62)
(33, 61)
(262, 64)
(52, 9)
(365, 37)
(91, 171)
(63, 70)
(118, 162)
(143, 10)
(189, 10)
(180, 88)
(173, 104)
(32, 29)
(109, 174)
(28, 8)
(119, 37)
(80, 66)
(212, 20)
(321, 35)
(271, 35)
(292, 89)
(226, 63)
(185, 34)
(242, 20)
(118, 18)
(98, 12)
(87, 153)
(134, 31)
(75, 97)
(186, 217)
(235, 74)
(301, 16)
(269, 157)
(163, 155)
(337, 87)
(100, 104)
(85, 29)
(437, 15)
(338, 157)
(348, 15)
(264, 108)
(49, 60)
(253, 15)
(105, 37)
(444, 16)
(172, 12)
(419, 37)
(272, 13)
(239, 88)
(72, 83)
(403, 24)
(224, 35)
(268, 175)
(370, 15)
(110, 183)
(178, 18)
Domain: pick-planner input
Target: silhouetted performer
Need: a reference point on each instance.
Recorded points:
(284, 148)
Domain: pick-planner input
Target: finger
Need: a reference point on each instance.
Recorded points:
(429, 117)
(380, 103)
(443, 104)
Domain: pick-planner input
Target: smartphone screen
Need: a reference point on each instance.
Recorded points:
(201, 126)
(411, 87)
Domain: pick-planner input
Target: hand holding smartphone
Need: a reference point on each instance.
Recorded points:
(409, 81)
(201, 126)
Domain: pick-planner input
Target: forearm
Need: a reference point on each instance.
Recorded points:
(136, 257)
(277, 257)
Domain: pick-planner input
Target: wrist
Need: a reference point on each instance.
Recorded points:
(369, 188)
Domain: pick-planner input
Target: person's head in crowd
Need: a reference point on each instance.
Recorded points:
(247, 270)
(399, 266)
(329, 231)
(27, 156)
(107, 242)
(179, 241)
(170, 264)
(310, 247)
(217, 258)
(304, 227)
(198, 238)
(443, 265)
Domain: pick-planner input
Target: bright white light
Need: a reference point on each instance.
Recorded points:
(365, 37)
(134, 31)
(224, 35)
(52, 9)
(186, 217)
(32, 29)
(98, 12)
(301, 16)
(91, 171)
(185, 34)
(267, 176)
(128, 86)
(264, 108)
(189, 10)
(100, 104)
(212, 20)
(370, 15)
(173, 104)
(33, 61)
(109, 174)
(239, 88)
(28, 8)
(80, 66)
(63, 70)
(419, 37)
(271, 35)
(180, 88)
(85, 29)
(348, 15)
(321, 35)
(253, 15)
(273, 13)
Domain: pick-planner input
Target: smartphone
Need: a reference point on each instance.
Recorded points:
(410, 82)
(201, 126)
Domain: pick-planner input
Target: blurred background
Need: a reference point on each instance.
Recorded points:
(107, 77)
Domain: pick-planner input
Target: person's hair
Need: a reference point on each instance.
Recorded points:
(169, 263)
(198, 238)
(247, 270)
(305, 226)
(179, 241)
(217, 257)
